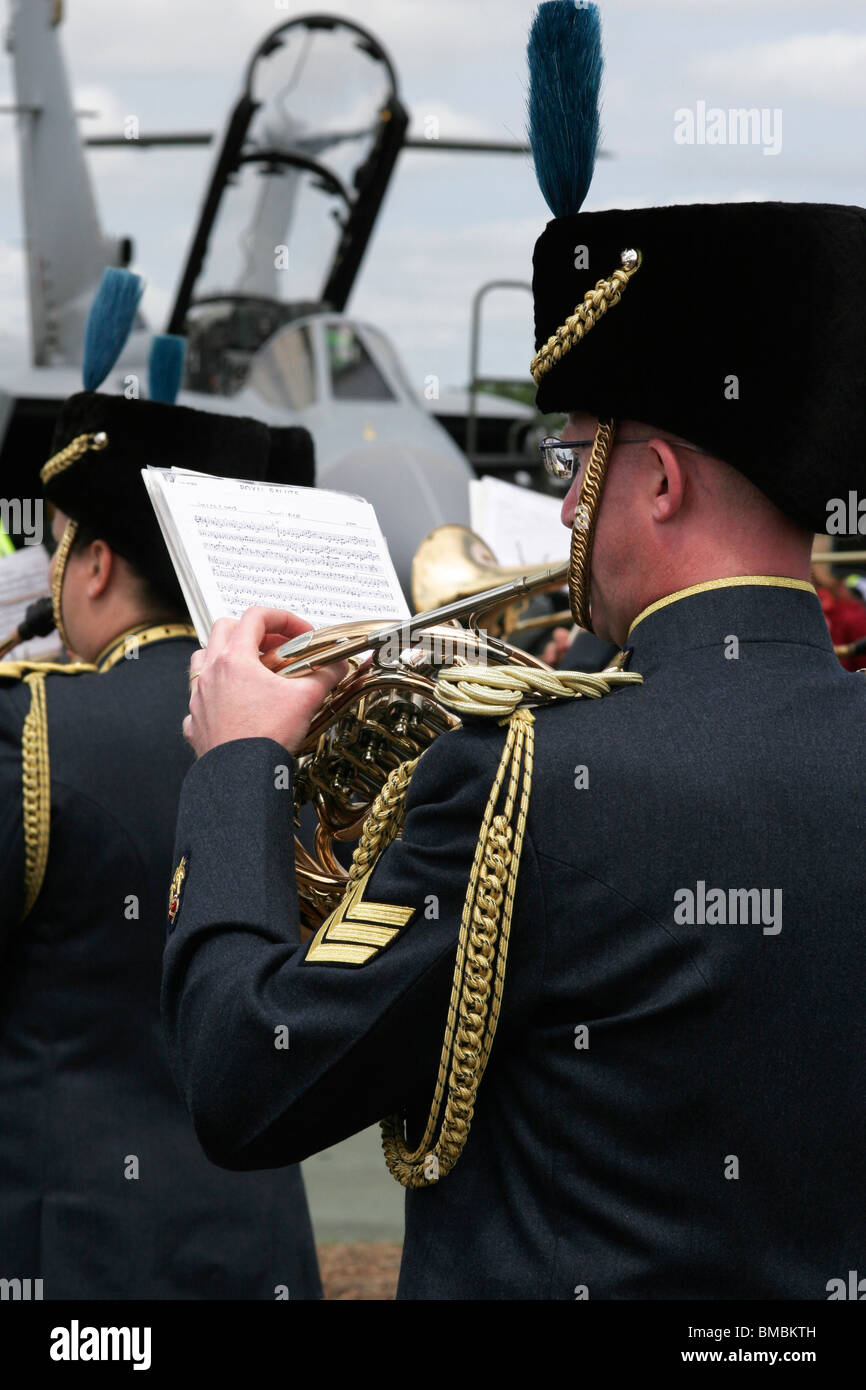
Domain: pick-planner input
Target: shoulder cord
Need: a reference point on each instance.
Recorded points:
(482, 945)
(36, 790)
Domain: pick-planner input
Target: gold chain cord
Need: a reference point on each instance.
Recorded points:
(594, 306)
(480, 967)
(60, 559)
(73, 451)
(36, 790)
(583, 527)
(56, 464)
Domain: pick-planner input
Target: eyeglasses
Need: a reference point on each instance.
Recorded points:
(562, 456)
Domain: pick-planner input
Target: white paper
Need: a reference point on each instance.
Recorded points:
(23, 579)
(520, 526)
(316, 553)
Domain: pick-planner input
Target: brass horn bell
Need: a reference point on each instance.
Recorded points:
(453, 563)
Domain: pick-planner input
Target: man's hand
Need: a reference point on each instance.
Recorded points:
(558, 645)
(234, 696)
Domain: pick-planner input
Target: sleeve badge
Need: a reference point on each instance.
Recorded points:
(175, 891)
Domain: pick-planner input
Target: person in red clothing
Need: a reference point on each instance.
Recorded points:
(844, 612)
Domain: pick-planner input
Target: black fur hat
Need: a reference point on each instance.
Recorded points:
(292, 459)
(743, 331)
(102, 488)
(743, 327)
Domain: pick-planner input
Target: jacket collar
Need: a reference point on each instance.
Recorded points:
(753, 608)
(134, 638)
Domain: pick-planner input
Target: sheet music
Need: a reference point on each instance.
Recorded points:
(316, 553)
(521, 527)
(23, 579)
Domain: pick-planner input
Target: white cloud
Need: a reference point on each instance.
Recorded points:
(218, 35)
(452, 124)
(421, 295)
(827, 67)
(104, 110)
(756, 8)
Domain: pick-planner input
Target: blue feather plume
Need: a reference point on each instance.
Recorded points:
(109, 323)
(565, 67)
(165, 367)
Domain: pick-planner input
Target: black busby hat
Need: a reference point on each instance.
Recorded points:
(740, 327)
(102, 488)
(743, 330)
(292, 458)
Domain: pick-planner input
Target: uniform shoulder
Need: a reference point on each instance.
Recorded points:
(19, 683)
(20, 670)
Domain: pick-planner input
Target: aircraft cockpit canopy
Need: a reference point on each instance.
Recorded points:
(327, 360)
(305, 161)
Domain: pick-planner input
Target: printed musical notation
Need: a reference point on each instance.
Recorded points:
(315, 553)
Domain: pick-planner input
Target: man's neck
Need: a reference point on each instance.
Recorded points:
(105, 633)
(779, 562)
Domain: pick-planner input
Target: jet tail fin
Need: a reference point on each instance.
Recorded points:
(66, 248)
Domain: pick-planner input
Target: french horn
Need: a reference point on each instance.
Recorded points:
(385, 711)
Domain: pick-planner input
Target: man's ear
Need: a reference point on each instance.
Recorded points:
(100, 567)
(669, 481)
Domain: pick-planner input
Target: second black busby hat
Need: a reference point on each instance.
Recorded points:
(97, 481)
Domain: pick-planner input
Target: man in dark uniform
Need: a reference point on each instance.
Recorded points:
(673, 1102)
(104, 1190)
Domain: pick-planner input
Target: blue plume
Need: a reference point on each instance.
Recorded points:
(109, 323)
(165, 367)
(565, 67)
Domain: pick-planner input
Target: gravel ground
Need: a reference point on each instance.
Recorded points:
(365, 1270)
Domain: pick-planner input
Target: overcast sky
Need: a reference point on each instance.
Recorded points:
(451, 222)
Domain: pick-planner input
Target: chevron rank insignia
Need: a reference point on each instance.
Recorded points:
(356, 931)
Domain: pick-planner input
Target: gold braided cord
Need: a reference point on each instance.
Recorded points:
(583, 527)
(499, 690)
(392, 1128)
(480, 967)
(36, 790)
(528, 752)
(384, 820)
(60, 559)
(74, 451)
(594, 306)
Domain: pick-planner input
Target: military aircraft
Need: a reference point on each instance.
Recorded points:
(295, 190)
